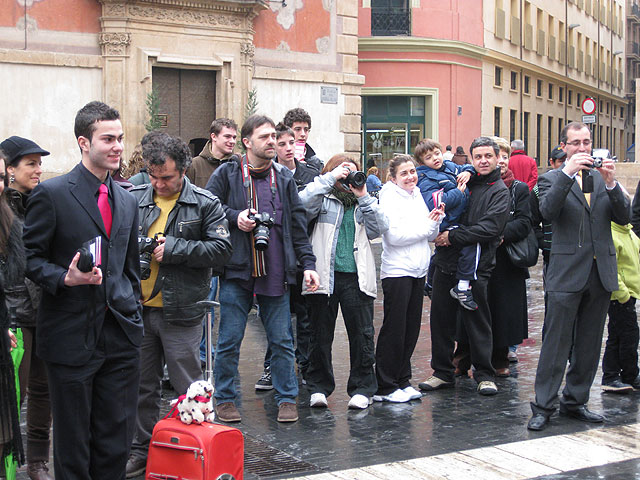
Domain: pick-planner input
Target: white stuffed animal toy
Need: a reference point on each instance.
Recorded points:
(196, 406)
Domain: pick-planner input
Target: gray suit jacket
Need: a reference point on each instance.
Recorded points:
(581, 232)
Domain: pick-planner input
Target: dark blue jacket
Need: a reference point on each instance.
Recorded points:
(226, 184)
(430, 181)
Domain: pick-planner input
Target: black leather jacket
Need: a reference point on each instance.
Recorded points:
(197, 241)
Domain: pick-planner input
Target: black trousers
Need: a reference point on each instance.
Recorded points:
(94, 408)
(403, 299)
(33, 382)
(357, 311)
(620, 359)
(477, 324)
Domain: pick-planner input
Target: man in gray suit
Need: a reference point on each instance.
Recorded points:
(581, 275)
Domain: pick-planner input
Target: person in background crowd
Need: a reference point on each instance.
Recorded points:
(482, 223)
(460, 158)
(24, 168)
(298, 120)
(373, 180)
(346, 220)
(524, 167)
(192, 236)
(507, 289)
(223, 134)
(405, 259)
(543, 231)
(89, 326)
(580, 277)
(303, 173)
(635, 211)
(136, 170)
(448, 154)
(253, 185)
(12, 263)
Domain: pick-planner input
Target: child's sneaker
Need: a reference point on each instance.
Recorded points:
(465, 297)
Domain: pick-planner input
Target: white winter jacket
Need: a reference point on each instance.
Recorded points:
(328, 211)
(405, 245)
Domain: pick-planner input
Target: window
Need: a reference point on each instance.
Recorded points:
(551, 91)
(550, 143)
(514, 80)
(560, 127)
(615, 110)
(497, 113)
(601, 104)
(607, 111)
(512, 125)
(569, 97)
(526, 84)
(497, 76)
(579, 100)
(525, 130)
(538, 137)
(539, 88)
(390, 17)
(560, 94)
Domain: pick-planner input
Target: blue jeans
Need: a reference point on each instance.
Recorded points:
(235, 303)
(203, 342)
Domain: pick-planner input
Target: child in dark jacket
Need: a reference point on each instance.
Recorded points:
(443, 182)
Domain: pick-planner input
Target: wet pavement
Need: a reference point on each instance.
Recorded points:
(441, 422)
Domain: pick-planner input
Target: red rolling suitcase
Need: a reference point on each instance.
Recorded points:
(196, 452)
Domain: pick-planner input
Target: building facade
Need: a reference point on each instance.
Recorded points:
(512, 68)
(196, 60)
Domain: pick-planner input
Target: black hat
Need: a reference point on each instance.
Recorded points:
(17, 147)
(558, 154)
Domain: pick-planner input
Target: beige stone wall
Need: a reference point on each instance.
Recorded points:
(40, 95)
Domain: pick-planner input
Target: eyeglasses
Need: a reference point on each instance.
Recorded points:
(577, 143)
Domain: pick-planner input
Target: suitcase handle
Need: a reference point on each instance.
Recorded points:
(208, 304)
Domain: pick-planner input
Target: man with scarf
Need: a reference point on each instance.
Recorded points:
(260, 196)
(482, 223)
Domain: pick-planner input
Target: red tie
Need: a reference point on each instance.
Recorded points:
(105, 208)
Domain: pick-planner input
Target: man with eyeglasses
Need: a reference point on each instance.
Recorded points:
(580, 277)
(298, 120)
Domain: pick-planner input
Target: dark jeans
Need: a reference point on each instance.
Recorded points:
(467, 264)
(477, 324)
(403, 298)
(620, 359)
(94, 408)
(357, 311)
(33, 382)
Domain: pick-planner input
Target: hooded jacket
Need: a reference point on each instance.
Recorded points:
(203, 166)
(327, 211)
(627, 246)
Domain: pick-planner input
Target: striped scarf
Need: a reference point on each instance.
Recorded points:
(259, 266)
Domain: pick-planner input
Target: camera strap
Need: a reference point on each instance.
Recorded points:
(258, 261)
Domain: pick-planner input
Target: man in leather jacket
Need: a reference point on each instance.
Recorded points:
(191, 237)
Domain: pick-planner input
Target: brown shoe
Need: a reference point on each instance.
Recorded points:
(227, 412)
(287, 412)
(503, 372)
(38, 471)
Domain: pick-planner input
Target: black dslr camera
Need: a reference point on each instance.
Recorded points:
(146, 246)
(355, 179)
(261, 231)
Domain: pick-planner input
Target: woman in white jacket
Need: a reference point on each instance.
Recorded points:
(405, 260)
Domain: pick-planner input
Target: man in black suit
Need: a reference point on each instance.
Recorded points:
(89, 326)
(581, 275)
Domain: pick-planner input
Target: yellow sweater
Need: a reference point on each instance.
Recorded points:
(628, 256)
(165, 204)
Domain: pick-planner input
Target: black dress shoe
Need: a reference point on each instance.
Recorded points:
(582, 413)
(538, 422)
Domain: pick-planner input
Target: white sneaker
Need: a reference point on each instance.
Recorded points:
(487, 387)
(398, 396)
(412, 392)
(359, 402)
(318, 400)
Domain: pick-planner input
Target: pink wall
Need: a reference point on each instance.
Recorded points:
(459, 20)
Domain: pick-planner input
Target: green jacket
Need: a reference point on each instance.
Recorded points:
(627, 246)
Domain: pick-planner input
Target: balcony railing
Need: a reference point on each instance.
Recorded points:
(389, 21)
